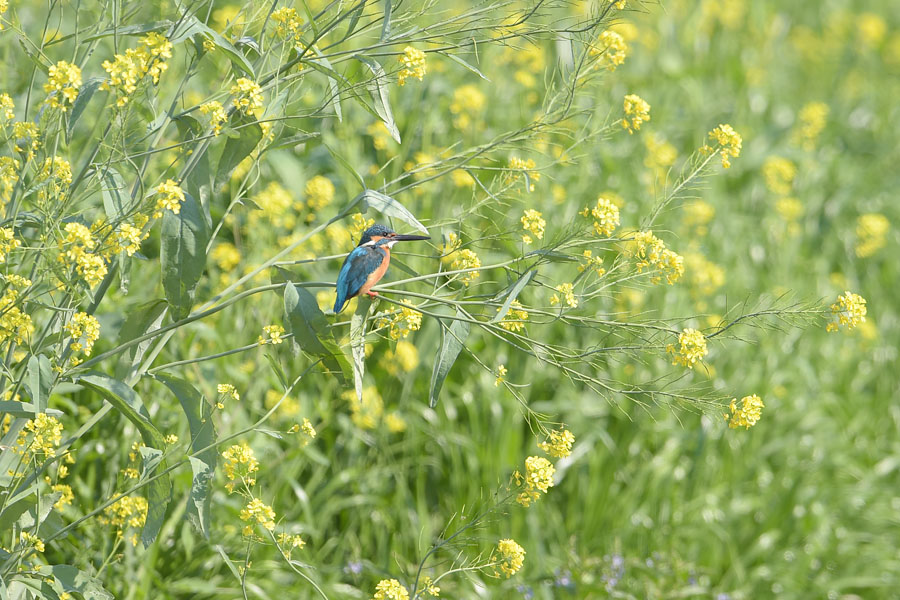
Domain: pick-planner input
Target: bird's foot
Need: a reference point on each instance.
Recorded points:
(372, 294)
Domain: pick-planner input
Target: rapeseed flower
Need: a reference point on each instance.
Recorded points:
(512, 557)
(240, 466)
(651, 253)
(248, 96)
(605, 215)
(63, 82)
(169, 196)
(273, 334)
(466, 259)
(514, 319)
(610, 50)
(262, 513)
(413, 61)
(390, 589)
(871, 234)
(850, 310)
(538, 479)
(559, 444)
(568, 293)
(534, 223)
(747, 415)
(637, 112)
(729, 144)
(779, 174)
(85, 330)
(40, 437)
(691, 348)
(217, 115)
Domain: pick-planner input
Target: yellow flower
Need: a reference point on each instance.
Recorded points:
(638, 110)
(466, 259)
(610, 49)
(217, 115)
(779, 174)
(319, 192)
(560, 443)
(401, 323)
(308, 428)
(850, 310)
(605, 215)
(729, 143)
(257, 510)
(501, 375)
(275, 201)
(568, 292)
(57, 173)
(514, 320)
(705, 276)
(395, 423)
(9, 176)
(127, 70)
(85, 330)
(274, 334)
(691, 348)
(171, 439)
(747, 415)
(871, 234)
(660, 153)
(8, 242)
(404, 358)
(390, 589)
(811, 121)
(248, 96)
(512, 557)
(592, 262)
(518, 167)
(240, 465)
(651, 253)
(227, 389)
(128, 511)
(533, 221)
(359, 224)
(67, 497)
(128, 239)
(467, 99)
(620, 4)
(45, 433)
(27, 138)
(31, 540)
(289, 23)
(413, 61)
(62, 84)
(789, 209)
(698, 215)
(367, 413)
(169, 197)
(7, 107)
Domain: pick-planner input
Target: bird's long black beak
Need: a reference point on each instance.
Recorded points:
(409, 238)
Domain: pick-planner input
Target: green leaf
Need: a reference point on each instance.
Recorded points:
(358, 343)
(378, 89)
(40, 381)
(150, 459)
(237, 149)
(85, 93)
(453, 339)
(552, 255)
(203, 435)
(198, 27)
(199, 182)
(513, 293)
(320, 63)
(389, 208)
(355, 14)
(116, 199)
(183, 255)
(73, 580)
(312, 332)
(386, 23)
(126, 401)
(359, 179)
(141, 320)
(460, 61)
(291, 141)
(31, 518)
(24, 409)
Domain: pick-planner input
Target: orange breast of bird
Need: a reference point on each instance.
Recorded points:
(376, 275)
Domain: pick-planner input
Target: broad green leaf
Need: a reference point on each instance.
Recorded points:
(24, 409)
(199, 181)
(513, 293)
(312, 332)
(126, 401)
(378, 89)
(72, 580)
(390, 208)
(240, 62)
(150, 459)
(85, 93)
(16, 507)
(460, 61)
(31, 518)
(453, 337)
(141, 320)
(116, 199)
(39, 381)
(203, 435)
(182, 255)
(386, 23)
(358, 343)
(237, 149)
(354, 19)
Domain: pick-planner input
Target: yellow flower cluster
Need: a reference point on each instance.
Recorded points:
(169, 196)
(559, 444)
(8, 242)
(307, 428)
(9, 176)
(248, 96)
(290, 542)
(705, 276)
(62, 84)
(413, 61)
(698, 215)
(465, 259)
(127, 70)
(729, 144)
(811, 121)
(538, 479)
(592, 262)
(56, 175)
(40, 437)
(289, 23)
(358, 225)
(367, 413)
(610, 49)
(275, 202)
(518, 166)
(637, 112)
(319, 192)
(467, 100)
(850, 310)
(514, 319)
(390, 589)
(403, 322)
(226, 256)
(779, 174)
(240, 465)
(501, 375)
(568, 292)
(15, 324)
(661, 154)
(272, 334)
(29, 540)
(226, 389)
(128, 511)
(129, 238)
(747, 415)
(217, 115)
(512, 557)
(79, 244)
(262, 513)
(7, 108)
(605, 215)
(533, 222)
(27, 137)
(871, 234)
(85, 330)
(652, 253)
(403, 359)
(691, 348)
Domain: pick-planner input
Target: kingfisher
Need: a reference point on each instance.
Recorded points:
(367, 263)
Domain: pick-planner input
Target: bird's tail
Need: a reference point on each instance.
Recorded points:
(339, 304)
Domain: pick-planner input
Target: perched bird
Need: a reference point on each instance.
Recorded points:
(368, 262)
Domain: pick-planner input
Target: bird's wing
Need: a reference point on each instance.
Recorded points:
(354, 272)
